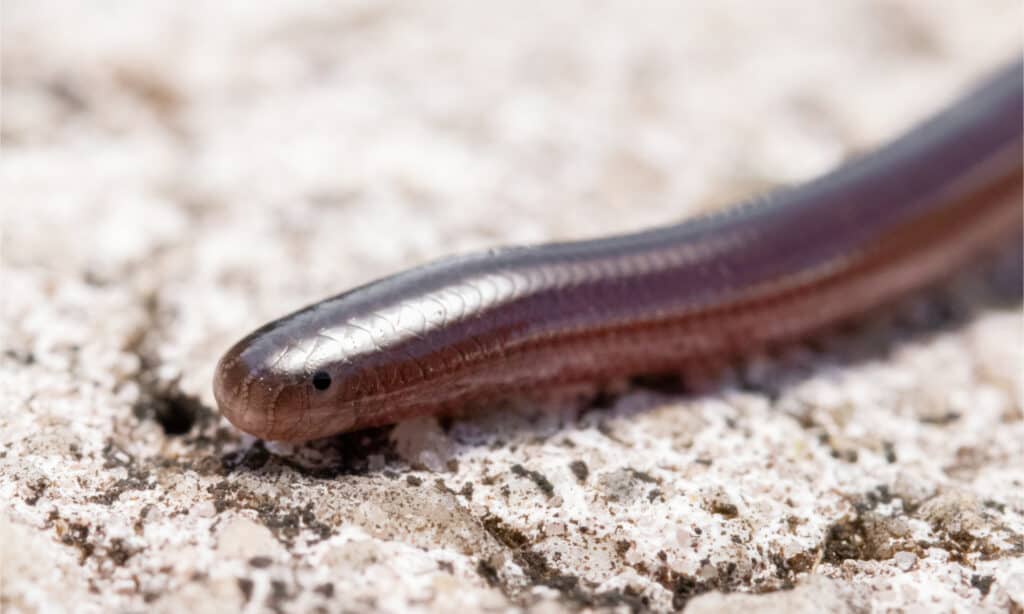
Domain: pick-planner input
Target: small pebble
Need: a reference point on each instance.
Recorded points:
(905, 560)
(708, 572)
(554, 528)
(938, 554)
(206, 509)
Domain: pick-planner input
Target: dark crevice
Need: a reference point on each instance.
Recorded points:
(346, 454)
(575, 592)
(580, 593)
(160, 399)
(177, 413)
(870, 534)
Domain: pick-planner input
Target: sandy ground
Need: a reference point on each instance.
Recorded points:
(174, 174)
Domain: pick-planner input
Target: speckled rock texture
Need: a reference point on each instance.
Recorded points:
(175, 174)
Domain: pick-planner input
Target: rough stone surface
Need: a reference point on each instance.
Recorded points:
(174, 175)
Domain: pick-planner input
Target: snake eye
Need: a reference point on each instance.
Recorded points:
(321, 380)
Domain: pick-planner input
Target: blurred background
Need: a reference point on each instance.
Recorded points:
(247, 159)
(175, 174)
